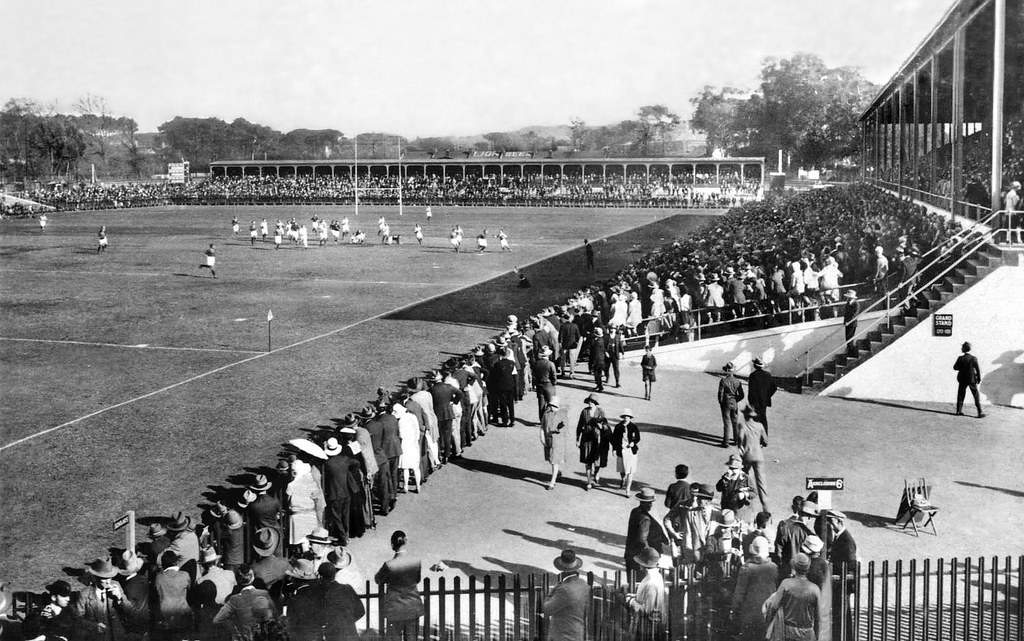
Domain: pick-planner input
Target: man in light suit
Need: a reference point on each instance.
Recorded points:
(567, 605)
(968, 375)
(403, 605)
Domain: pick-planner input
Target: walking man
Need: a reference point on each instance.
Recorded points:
(968, 375)
(850, 311)
(761, 387)
(752, 439)
(730, 393)
(797, 603)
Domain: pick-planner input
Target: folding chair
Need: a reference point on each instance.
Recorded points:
(916, 505)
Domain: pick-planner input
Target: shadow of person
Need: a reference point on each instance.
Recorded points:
(1004, 385)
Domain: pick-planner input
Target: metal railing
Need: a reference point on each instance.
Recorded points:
(966, 244)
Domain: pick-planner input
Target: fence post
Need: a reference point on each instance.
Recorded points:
(426, 610)
(472, 608)
(457, 607)
(953, 597)
(517, 609)
(380, 607)
(502, 593)
(993, 608)
(925, 627)
(885, 600)
(913, 598)
(899, 599)
(487, 607)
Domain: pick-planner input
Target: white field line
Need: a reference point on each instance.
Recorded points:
(342, 281)
(91, 344)
(197, 377)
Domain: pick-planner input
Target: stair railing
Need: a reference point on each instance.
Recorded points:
(974, 241)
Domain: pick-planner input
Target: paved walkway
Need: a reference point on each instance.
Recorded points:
(490, 512)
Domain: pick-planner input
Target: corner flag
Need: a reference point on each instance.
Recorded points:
(270, 315)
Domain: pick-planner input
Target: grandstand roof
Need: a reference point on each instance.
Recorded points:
(498, 159)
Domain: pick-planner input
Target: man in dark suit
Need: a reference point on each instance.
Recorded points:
(968, 375)
(544, 378)
(730, 393)
(760, 387)
(392, 446)
(384, 490)
(567, 604)
(569, 338)
(338, 488)
(850, 311)
(503, 386)
(643, 532)
(265, 511)
(679, 491)
(598, 358)
(444, 395)
(403, 605)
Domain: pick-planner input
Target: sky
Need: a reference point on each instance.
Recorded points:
(429, 67)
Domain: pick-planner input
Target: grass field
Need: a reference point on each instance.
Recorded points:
(134, 380)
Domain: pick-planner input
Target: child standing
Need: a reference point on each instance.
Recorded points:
(648, 364)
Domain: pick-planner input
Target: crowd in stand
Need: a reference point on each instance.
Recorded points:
(283, 537)
(587, 190)
(771, 256)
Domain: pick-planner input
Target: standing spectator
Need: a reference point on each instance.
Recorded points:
(135, 582)
(643, 532)
(761, 387)
(598, 356)
(444, 397)
(170, 587)
(265, 511)
(101, 240)
(679, 491)
(570, 339)
(734, 485)
(881, 276)
(648, 364)
(850, 311)
(340, 607)
(589, 251)
(248, 609)
(409, 434)
(791, 533)
(233, 543)
(269, 568)
(634, 314)
(593, 439)
(383, 484)
(101, 607)
(566, 606)
(795, 605)
(158, 542)
(842, 552)
(402, 604)
(56, 619)
(968, 375)
(502, 384)
(730, 393)
(626, 443)
(1011, 203)
(392, 445)
(651, 599)
(615, 352)
(211, 590)
(544, 379)
(184, 543)
(306, 503)
(338, 488)
(554, 437)
(752, 439)
(756, 581)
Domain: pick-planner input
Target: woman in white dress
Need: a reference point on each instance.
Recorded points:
(619, 311)
(305, 503)
(634, 314)
(409, 433)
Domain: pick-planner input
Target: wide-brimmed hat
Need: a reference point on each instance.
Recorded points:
(233, 520)
(801, 563)
(265, 541)
(567, 561)
(248, 496)
(727, 518)
(304, 569)
(350, 420)
(332, 447)
(835, 514)
(130, 563)
(320, 535)
(627, 412)
(102, 568)
(283, 465)
(591, 399)
(810, 508)
(180, 522)
(647, 558)
(850, 293)
(60, 587)
(757, 362)
(734, 462)
(156, 530)
(701, 490)
(340, 557)
(812, 545)
(208, 555)
(645, 495)
(727, 367)
(598, 331)
(260, 484)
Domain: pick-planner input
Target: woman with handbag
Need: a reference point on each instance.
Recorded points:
(553, 436)
(625, 443)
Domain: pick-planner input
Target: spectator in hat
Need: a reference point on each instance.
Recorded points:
(349, 572)
(340, 607)
(391, 444)
(730, 393)
(616, 349)
(761, 387)
(383, 483)
(444, 397)
(157, 543)
(752, 439)
(184, 543)
(544, 377)
(409, 434)
(593, 437)
(402, 604)
(250, 607)
(571, 341)
(267, 566)
(643, 532)
(850, 310)
(173, 615)
(795, 605)
(792, 532)
(734, 486)
(554, 437)
(625, 442)
(265, 511)
(501, 384)
(211, 590)
(842, 553)
(566, 606)
(340, 486)
(421, 398)
(598, 358)
(648, 365)
(814, 548)
(306, 503)
(135, 581)
(56, 619)
(755, 582)
(968, 375)
(679, 490)
(650, 601)
(101, 607)
(233, 543)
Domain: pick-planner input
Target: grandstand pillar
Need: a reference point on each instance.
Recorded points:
(998, 73)
(693, 174)
(917, 135)
(956, 166)
(647, 167)
(899, 147)
(718, 173)
(933, 95)
(561, 171)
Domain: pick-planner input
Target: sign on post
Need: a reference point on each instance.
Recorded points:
(129, 535)
(824, 486)
(942, 325)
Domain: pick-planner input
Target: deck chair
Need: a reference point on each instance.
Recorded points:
(916, 505)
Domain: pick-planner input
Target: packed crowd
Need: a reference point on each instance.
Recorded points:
(776, 255)
(589, 190)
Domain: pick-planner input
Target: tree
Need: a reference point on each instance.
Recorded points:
(577, 133)
(653, 122)
(500, 141)
(717, 113)
(97, 124)
(432, 145)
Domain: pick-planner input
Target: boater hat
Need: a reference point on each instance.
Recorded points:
(320, 535)
(265, 541)
(646, 495)
(332, 447)
(567, 561)
(647, 558)
(261, 484)
(303, 569)
(248, 497)
(850, 293)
